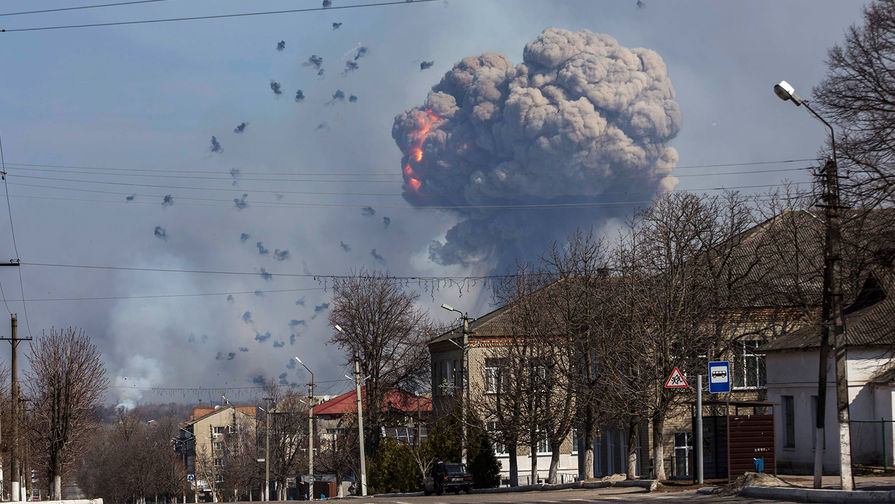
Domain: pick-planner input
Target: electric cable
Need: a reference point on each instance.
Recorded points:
(15, 246)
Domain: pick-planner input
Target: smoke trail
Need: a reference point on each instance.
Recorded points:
(375, 255)
(360, 52)
(580, 120)
(350, 66)
(215, 145)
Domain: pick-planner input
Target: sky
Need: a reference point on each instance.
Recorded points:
(99, 124)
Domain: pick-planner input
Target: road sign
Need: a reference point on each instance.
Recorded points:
(719, 377)
(676, 380)
(190, 477)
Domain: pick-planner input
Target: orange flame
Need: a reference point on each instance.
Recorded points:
(416, 151)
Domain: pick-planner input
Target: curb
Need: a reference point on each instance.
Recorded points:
(815, 495)
(648, 485)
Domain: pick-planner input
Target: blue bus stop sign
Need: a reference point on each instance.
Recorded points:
(719, 377)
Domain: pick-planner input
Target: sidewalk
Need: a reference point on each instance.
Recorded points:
(868, 488)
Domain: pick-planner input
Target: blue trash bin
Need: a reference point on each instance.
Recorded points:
(759, 464)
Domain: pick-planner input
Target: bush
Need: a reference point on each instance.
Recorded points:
(393, 469)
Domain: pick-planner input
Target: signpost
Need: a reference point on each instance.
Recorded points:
(676, 380)
(719, 377)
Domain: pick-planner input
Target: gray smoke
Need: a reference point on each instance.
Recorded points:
(168, 200)
(368, 211)
(215, 145)
(299, 96)
(280, 255)
(425, 65)
(241, 202)
(160, 232)
(295, 323)
(336, 26)
(314, 61)
(339, 95)
(275, 87)
(292, 339)
(279, 344)
(360, 52)
(258, 379)
(265, 275)
(262, 337)
(261, 249)
(240, 127)
(243, 349)
(327, 3)
(243, 237)
(352, 99)
(375, 255)
(247, 317)
(350, 66)
(582, 120)
(281, 45)
(386, 222)
(345, 246)
(300, 302)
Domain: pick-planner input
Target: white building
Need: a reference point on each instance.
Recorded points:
(792, 373)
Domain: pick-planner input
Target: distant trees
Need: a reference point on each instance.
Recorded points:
(66, 381)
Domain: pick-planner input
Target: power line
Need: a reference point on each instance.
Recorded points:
(215, 16)
(165, 296)
(255, 273)
(15, 246)
(97, 6)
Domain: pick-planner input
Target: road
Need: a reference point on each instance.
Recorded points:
(575, 496)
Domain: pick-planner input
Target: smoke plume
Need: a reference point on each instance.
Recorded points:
(581, 121)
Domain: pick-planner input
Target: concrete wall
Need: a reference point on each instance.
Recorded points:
(795, 374)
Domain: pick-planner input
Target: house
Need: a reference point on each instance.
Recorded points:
(210, 438)
(792, 373)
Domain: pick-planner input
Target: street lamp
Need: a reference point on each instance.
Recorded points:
(832, 314)
(267, 449)
(360, 420)
(310, 429)
(463, 376)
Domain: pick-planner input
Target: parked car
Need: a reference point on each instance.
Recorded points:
(456, 480)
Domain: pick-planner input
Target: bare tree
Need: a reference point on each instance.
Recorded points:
(66, 382)
(382, 327)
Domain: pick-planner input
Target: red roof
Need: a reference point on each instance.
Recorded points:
(395, 399)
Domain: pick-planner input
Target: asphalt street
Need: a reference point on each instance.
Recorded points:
(573, 496)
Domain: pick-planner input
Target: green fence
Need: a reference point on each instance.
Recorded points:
(867, 431)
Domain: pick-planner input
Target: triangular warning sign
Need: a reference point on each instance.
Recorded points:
(676, 380)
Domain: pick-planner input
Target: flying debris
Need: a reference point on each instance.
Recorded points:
(336, 26)
(327, 3)
(265, 275)
(339, 95)
(280, 255)
(279, 344)
(640, 4)
(300, 302)
(320, 73)
(168, 200)
(295, 323)
(240, 127)
(261, 249)
(231, 355)
(386, 222)
(292, 340)
(368, 211)
(360, 52)
(281, 45)
(234, 172)
(594, 120)
(352, 99)
(262, 337)
(425, 65)
(345, 246)
(350, 66)
(241, 202)
(243, 349)
(275, 87)
(244, 237)
(375, 255)
(321, 307)
(247, 317)
(259, 293)
(299, 96)
(229, 298)
(130, 197)
(215, 145)
(322, 126)
(314, 61)
(160, 233)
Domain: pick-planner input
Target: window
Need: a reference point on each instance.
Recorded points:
(543, 444)
(682, 450)
(494, 380)
(789, 422)
(574, 441)
(814, 424)
(458, 376)
(494, 433)
(219, 430)
(748, 365)
(218, 446)
(219, 462)
(406, 435)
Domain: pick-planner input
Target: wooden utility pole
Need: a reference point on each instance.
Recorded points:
(15, 488)
(360, 428)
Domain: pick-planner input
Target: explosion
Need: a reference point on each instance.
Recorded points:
(581, 120)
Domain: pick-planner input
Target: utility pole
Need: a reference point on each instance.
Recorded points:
(214, 483)
(15, 490)
(311, 439)
(463, 376)
(360, 428)
(267, 451)
(834, 324)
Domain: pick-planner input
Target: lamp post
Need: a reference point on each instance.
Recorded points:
(465, 383)
(360, 421)
(267, 450)
(831, 311)
(310, 429)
